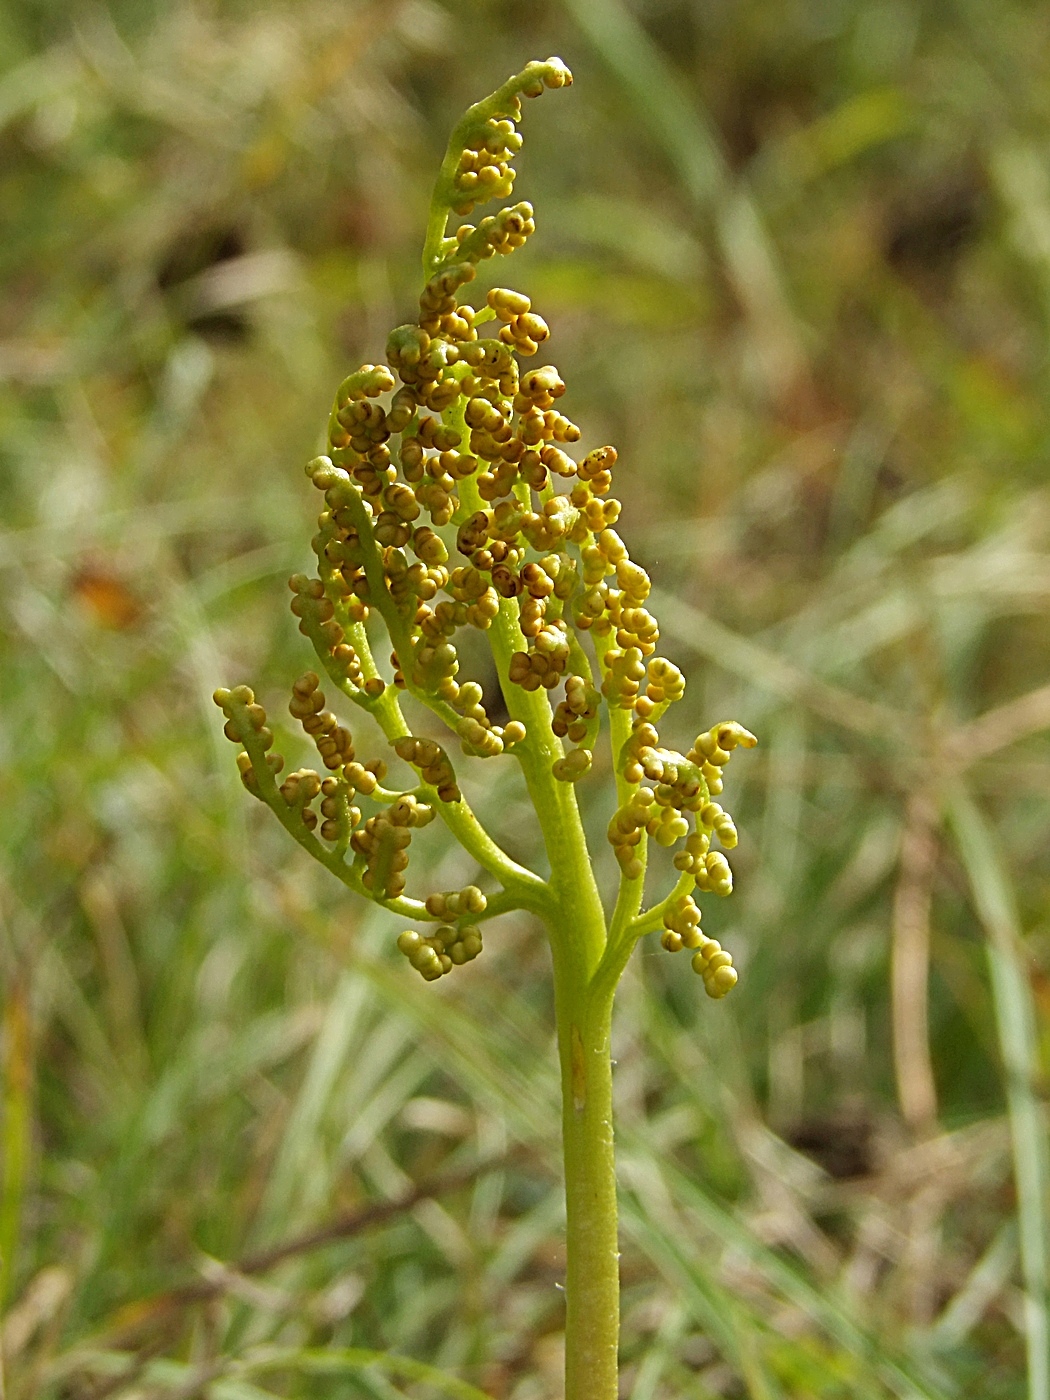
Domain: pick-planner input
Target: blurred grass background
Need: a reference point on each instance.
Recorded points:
(796, 259)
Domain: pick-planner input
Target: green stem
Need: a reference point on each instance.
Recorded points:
(650, 919)
(583, 1014)
(460, 819)
(578, 941)
(592, 1313)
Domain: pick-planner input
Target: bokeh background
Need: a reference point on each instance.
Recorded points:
(796, 259)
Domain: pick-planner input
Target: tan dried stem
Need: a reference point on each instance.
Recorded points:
(910, 958)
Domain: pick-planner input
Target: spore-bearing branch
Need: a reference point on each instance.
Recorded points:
(443, 510)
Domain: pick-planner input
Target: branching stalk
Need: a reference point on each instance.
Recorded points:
(520, 546)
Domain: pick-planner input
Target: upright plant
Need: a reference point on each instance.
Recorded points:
(544, 576)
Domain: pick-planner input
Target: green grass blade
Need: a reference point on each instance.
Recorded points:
(1015, 1017)
(692, 145)
(898, 1374)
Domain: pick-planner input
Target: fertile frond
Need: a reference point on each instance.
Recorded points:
(454, 501)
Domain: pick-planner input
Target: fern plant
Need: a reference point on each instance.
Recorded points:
(452, 501)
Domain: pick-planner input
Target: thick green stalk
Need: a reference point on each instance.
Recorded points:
(592, 1284)
(583, 1015)
(578, 939)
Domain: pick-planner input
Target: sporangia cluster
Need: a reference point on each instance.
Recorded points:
(455, 494)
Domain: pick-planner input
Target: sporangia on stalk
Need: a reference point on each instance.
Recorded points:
(456, 497)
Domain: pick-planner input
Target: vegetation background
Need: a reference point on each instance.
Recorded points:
(796, 259)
